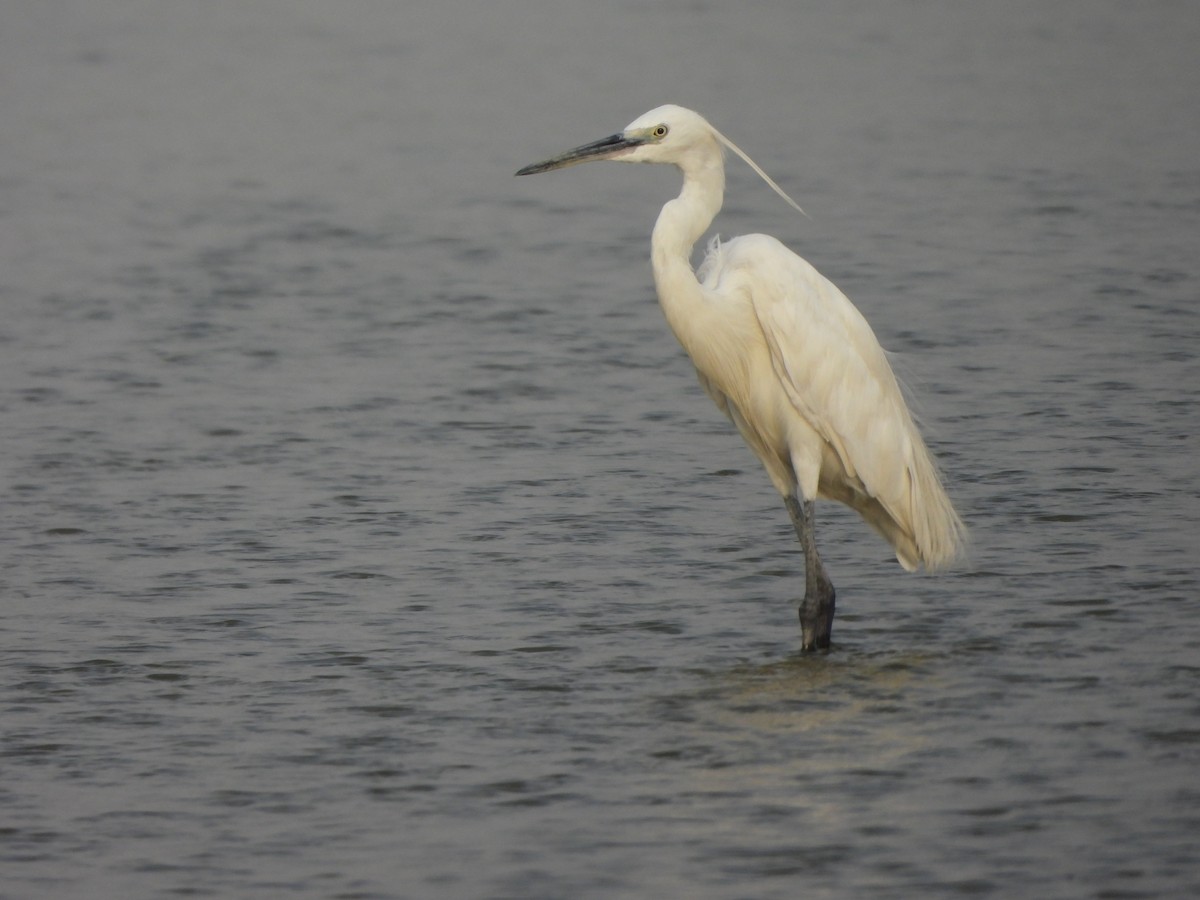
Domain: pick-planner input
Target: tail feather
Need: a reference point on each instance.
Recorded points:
(938, 532)
(920, 524)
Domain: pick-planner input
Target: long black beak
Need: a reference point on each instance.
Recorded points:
(605, 148)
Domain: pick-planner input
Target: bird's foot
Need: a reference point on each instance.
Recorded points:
(816, 617)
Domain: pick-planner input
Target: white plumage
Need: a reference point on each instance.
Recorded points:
(789, 359)
(822, 408)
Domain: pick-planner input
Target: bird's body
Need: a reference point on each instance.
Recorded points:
(812, 393)
(789, 359)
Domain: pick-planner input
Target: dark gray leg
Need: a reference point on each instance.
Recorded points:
(816, 610)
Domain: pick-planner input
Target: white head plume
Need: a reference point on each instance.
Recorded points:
(758, 169)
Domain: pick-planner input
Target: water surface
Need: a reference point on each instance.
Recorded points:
(365, 534)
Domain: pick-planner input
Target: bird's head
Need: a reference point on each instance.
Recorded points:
(667, 134)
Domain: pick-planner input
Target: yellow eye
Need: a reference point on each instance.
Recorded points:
(659, 132)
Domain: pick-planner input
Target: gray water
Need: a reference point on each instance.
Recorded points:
(366, 534)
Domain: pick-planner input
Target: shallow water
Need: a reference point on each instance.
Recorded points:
(367, 535)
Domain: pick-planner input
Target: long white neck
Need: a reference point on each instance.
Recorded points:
(680, 224)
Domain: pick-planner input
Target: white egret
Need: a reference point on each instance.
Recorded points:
(788, 359)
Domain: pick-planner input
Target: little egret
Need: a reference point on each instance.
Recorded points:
(788, 359)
